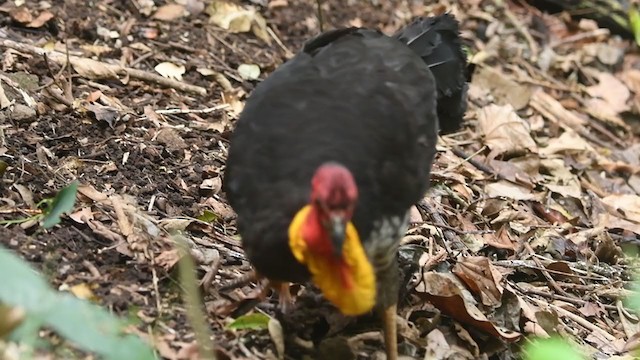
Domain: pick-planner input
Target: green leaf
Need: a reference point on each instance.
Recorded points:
(255, 321)
(208, 216)
(552, 348)
(634, 23)
(62, 203)
(86, 325)
(633, 301)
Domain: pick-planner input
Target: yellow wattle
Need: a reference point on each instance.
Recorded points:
(356, 299)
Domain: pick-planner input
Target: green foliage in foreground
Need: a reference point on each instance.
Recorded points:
(552, 348)
(86, 325)
(52, 208)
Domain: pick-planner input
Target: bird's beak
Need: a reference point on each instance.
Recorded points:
(337, 229)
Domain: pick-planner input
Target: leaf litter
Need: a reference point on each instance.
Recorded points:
(522, 232)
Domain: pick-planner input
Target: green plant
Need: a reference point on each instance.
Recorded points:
(52, 208)
(86, 325)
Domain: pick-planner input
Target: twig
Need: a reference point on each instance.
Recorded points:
(544, 271)
(191, 111)
(115, 69)
(580, 36)
(287, 52)
(571, 300)
(533, 47)
(458, 231)
(577, 319)
(529, 264)
(439, 221)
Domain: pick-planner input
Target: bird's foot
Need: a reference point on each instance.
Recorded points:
(285, 300)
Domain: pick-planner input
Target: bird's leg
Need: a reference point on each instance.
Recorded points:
(390, 331)
(387, 282)
(285, 300)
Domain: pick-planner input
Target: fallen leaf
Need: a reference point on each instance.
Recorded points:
(21, 15)
(42, 19)
(504, 131)
(170, 12)
(170, 70)
(504, 90)
(277, 336)
(591, 309)
(508, 190)
(447, 294)
(481, 277)
(82, 291)
(249, 71)
(627, 204)
(238, 19)
(93, 69)
(83, 215)
(569, 142)
(610, 93)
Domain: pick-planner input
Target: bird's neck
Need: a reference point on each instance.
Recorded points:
(314, 233)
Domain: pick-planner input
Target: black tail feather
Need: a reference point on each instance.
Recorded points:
(437, 41)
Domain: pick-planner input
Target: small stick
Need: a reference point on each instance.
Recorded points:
(116, 69)
(544, 271)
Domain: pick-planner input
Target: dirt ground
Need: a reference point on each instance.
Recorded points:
(146, 172)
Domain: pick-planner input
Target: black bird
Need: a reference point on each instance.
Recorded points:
(332, 150)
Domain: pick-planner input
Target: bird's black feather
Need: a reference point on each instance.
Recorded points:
(437, 42)
(352, 96)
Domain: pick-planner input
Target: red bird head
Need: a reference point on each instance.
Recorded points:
(322, 237)
(333, 196)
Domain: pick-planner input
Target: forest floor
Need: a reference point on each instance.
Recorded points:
(522, 232)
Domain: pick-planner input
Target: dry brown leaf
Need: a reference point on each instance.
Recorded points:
(440, 347)
(170, 70)
(609, 221)
(277, 336)
(505, 90)
(92, 69)
(509, 190)
(631, 78)
(26, 195)
(82, 216)
(168, 258)
(500, 240)
(554, 111)
(482, 278)
(446, 293)
(627, 204)
(504, 131)
(591, 309)
(21, 15)
(42, 19)
(569, 141)
(170, 12)
(119, 206)
(82, 291)
(171, 138)
(97, 50)
(93, 194)
(238, 19)
(610, 94)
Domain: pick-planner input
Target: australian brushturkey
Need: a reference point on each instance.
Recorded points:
(333, 149)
